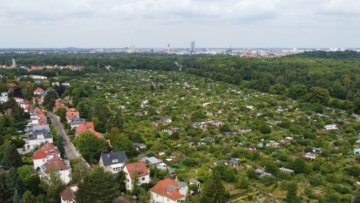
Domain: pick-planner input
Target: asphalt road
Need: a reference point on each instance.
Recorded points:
(70, 150)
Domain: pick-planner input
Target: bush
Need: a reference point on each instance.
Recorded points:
(271, 188)
(250, 195)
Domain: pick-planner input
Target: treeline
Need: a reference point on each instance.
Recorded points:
(118, 60)
(329, 55)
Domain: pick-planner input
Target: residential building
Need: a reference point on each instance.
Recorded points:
(4, 97)
(71, 114)
(62, 166)
(113, 162)
(38, 137)
(138, 168)
(39, 91)
(167, 191)
(68, 195)
(87, 126)
(76, 121)
(44, 154)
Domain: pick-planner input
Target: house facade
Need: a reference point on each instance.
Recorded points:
(68, 195)
(138, 168)
(62, 166)
(167, 191)
(38, 137)
(44, 154)
(113, 162)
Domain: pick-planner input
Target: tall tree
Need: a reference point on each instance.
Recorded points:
(49, 100)
(11, 158)
(4, 190)
(214, 190)
(96, 187)
(60, 146)
(61, 112)
(53, 185)
(125, 144)
(28, 198)
(113, 136)
(90, 146)
(79, 171)
(291, 196)
(120, 181)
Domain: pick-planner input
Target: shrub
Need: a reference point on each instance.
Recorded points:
(271, 188)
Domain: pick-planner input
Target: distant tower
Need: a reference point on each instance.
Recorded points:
(192, 45)
(13, 63)
(168, 50)
(132, 49)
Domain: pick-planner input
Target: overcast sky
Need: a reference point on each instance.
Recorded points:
(157, 23)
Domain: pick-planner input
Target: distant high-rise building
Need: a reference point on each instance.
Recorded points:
(132, 49)
(192, 45)
(13, 63)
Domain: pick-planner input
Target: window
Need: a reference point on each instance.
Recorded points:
(143, 178)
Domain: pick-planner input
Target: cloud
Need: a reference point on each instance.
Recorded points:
(121, 23)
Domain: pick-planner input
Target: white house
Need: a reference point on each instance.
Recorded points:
(38, 137)
(44, 154)
(67, 195)
(62, 166)
(331, 127)
(138, 168)
(168, 191)
(113, 162)
(4, 97)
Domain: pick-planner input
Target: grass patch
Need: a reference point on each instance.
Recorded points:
(227, 185)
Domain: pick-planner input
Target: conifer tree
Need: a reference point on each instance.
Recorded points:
(11, 157)
(28, 198)
(214, 190)
(60, 146)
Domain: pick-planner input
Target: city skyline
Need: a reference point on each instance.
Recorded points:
(156, 23)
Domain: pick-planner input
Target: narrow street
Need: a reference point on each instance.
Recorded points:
(70, 150)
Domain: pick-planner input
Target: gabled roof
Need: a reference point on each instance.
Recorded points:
(70, 115)
(69, 192)
(56, 163)
(113, 158)
(39, 155)
(137, 167)
(167, 188)
(47, 149)
(39, 90)
(87, 126)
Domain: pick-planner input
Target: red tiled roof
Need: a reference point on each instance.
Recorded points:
(70, 115)
(49, 149)
(55, 163)
(166, 188)
(39, 155)
(68, 194)
(12, 84)
(39, 89)
(87, 126)
(137, 167)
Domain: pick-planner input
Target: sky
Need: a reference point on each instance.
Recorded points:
(157, 23)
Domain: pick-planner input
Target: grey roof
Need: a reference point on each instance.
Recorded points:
(234, 161)
(180, 184)
(141, 156)
(36, 133)
(153, 160)
(265, 174)
(46, 127)
(113, 158)
(77, 120)
(192, 180)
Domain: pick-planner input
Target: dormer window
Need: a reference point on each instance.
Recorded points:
(114, 160)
